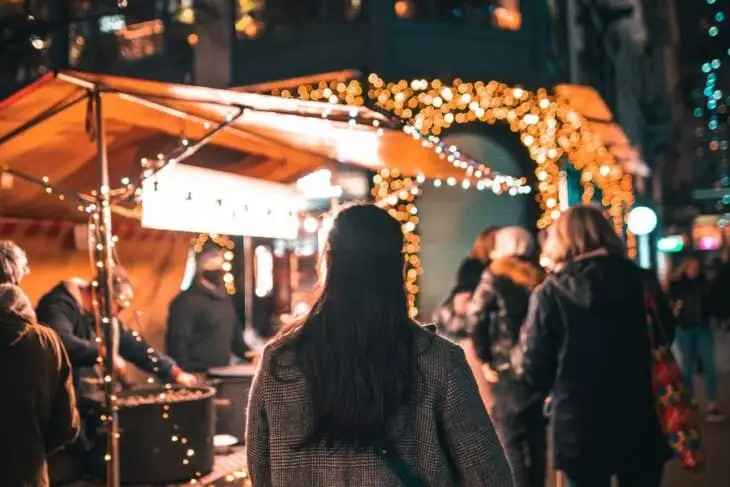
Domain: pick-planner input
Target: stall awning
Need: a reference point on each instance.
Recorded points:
(589, 103)
(46, 131)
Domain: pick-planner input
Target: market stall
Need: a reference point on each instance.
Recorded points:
(109, 151)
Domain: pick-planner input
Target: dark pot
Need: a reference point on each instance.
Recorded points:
(163, 441)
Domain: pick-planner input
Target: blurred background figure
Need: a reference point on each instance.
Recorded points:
(13, 263)
(690, 293)
(38, 413)
(203, 328)
(495, 314)
(586, 342)
(450, 316)
(326, 397)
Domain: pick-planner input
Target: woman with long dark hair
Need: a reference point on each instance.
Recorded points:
(358, 394)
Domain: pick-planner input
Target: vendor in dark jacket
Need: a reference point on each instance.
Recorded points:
(68, 309)
(586, 341)
(203, 328)
(496, 312)
(38, 412)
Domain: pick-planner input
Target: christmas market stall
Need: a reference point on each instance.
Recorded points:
(128, 170)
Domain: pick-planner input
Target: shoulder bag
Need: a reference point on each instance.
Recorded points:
(675, 414)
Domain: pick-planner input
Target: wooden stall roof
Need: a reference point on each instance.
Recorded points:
(269, 137)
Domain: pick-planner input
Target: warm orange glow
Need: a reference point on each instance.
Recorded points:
(404, 9)
(507, 19)
(193, 39)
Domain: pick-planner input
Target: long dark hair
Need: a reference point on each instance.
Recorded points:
(356, 347)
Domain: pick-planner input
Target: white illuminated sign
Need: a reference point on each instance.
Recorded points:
(192, 199)
(318, 184)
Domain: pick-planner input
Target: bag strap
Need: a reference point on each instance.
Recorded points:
(653, 319)
(395, 463)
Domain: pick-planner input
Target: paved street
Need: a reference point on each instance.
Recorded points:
(716, 436)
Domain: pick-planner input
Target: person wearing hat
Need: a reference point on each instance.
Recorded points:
(203, 328)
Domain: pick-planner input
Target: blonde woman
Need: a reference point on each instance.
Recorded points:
(586, 341)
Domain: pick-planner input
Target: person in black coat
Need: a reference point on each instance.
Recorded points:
(691, 294)
(203, 328)
(586, 341)
(68, 308)
(495, 315)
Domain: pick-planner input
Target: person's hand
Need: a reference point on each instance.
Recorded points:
(120, 365)
(187, 380)
(490, 374)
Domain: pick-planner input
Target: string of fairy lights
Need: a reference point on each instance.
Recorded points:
(402, 192)
(712, 102)
(549, 128)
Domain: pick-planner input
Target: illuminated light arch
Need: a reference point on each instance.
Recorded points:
(547, 126)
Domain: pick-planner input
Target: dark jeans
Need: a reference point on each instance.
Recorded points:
(650, 477)
(698, 343)
(523, 436)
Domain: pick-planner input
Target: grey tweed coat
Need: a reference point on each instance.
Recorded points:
(449, 439)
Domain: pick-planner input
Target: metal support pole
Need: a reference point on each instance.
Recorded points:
(105, 298)
(248, 282)
(573, 41)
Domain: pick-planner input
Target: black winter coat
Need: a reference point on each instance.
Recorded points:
(496, 313)
(586, 341)
(693, 296)
(60, 310)
(203, 329)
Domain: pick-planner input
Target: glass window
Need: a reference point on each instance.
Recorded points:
(286, 15)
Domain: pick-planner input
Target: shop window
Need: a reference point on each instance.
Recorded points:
(283, 15)
(466, 11)
(502, 14)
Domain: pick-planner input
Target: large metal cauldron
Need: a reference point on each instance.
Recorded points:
(166, 435)
(233, 384)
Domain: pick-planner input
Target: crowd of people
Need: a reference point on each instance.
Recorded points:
(358, 393)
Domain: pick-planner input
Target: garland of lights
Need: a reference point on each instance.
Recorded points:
(549, 128)
(401, 205)
(712, 104)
